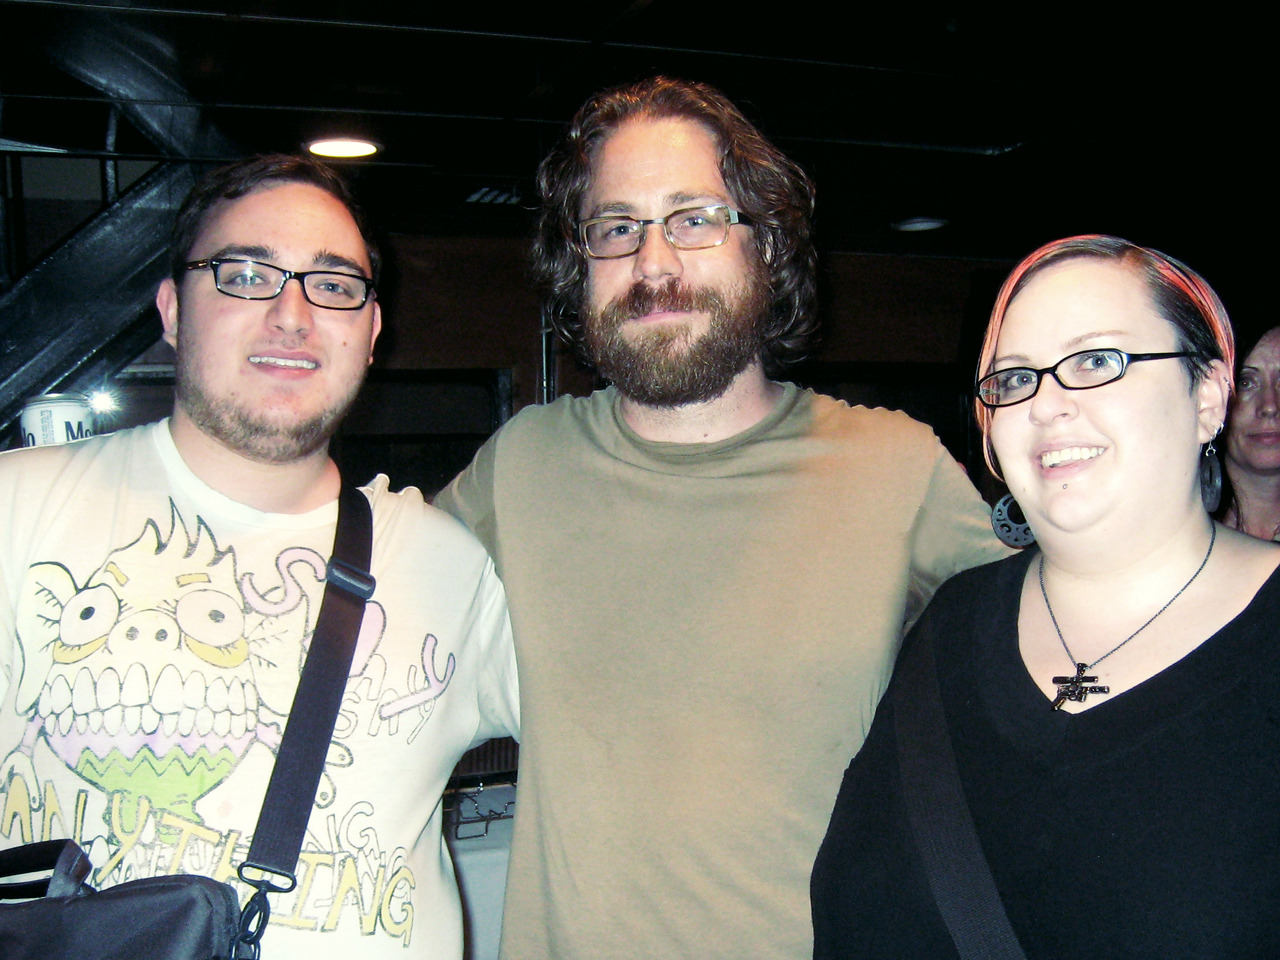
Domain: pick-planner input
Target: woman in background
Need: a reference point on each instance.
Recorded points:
(1251, 501)
(1110, 697)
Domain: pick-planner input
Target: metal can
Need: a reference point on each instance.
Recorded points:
(56, 418)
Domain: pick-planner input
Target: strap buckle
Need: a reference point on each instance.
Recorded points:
(357, 582)
(245, 945)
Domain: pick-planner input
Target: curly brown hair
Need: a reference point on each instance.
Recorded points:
(769, 188)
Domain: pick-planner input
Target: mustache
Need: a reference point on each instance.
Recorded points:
(643, 299)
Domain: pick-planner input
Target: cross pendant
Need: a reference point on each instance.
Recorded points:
(1076, 688)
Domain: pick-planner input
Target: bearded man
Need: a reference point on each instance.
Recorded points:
(708, 568)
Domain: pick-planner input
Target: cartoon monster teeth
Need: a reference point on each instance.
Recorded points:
(236, 698)
(167, 697)
(159, 699)
(55, 698)
(83, 696)
(135, 691)
(149, 720)
(108, 689)
(193, 690)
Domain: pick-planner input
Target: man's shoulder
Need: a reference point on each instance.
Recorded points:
(404, 506)
(837, 417)
(31, 463)
(842, 411)
(564, 410)
(405, 514)
(562, 422)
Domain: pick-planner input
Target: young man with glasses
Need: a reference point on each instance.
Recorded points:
(709, 568)
(159, 588)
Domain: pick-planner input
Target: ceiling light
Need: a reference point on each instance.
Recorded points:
(919, 224)
(343, 147)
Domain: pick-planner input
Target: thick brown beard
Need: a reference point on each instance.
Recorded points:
(664, 367)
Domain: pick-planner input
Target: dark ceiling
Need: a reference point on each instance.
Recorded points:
(1016, 130)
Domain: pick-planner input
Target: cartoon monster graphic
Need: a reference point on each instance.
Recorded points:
(154, 676)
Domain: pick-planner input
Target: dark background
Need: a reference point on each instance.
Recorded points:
(1014, 129)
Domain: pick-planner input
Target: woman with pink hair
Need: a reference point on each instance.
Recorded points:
(1079, 753)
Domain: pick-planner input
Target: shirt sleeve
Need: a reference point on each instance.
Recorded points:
(8, 640)
(952, 532)
(499, 695)
(11, 503)
(470, 497)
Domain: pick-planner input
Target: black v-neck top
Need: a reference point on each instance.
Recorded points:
(1146, 826)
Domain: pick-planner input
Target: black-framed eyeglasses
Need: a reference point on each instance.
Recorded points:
(1079, 371)
(255, 280)
(691, 228)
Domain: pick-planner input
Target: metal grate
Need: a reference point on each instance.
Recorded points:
(489, 762)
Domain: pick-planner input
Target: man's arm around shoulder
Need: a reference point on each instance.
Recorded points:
(470, 495)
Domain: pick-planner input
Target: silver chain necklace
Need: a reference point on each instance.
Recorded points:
(1080, 686)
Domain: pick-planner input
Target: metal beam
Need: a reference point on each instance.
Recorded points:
(93, 293)
(139, 71)
(86, 310)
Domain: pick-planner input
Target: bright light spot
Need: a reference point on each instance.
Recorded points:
(102, 401)
(343, 147)
(919, 224)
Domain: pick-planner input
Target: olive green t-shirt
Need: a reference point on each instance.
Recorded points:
(703, 632)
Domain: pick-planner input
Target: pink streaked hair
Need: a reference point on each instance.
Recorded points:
(1180, 295)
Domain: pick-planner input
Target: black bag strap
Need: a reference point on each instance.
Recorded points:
(959, 875)
(68, 867)
(291, 791)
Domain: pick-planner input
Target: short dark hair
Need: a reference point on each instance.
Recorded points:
(246, 176)
(1180, 295)
(769, 188)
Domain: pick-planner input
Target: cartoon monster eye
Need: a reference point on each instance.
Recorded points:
(211, 617)
(89, 616)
